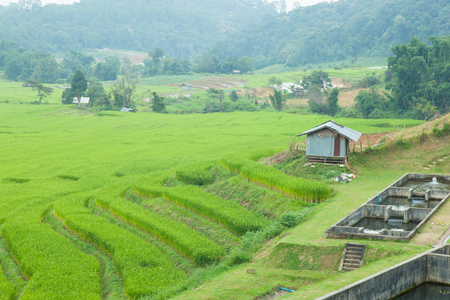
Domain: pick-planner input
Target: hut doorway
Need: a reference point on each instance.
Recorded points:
(337, 145)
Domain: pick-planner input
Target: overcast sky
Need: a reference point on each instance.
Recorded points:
(290, 3)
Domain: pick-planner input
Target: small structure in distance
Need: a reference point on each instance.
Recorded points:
(187, 87)
(83, 101)
(329, 143)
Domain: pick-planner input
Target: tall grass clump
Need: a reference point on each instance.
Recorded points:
(190, 243)
(227, 213)
(56, 268)
(234, 163)
(298, 188)
(196, 174)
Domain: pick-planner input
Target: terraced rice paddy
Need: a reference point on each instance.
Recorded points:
(105, 207)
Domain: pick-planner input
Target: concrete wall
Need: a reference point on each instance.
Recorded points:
(415, 214)
(442, 250)
(352, 218)
(373, 210)
(400, 192)
(438, 268)
(437, 194)
(396, 234)
(386, 284)
(427, 267)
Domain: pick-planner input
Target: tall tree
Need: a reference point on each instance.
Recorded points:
(78, 85)
(332, 98)
(42, 90)
(278, 99)
(158, 105)
(97, 95)
(126, 84)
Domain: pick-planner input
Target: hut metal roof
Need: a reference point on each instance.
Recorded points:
(340, 129)
(83, 100)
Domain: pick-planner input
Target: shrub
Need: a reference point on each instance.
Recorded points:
(442, 132)
(402, 144)
(289, 219)
(240, 257)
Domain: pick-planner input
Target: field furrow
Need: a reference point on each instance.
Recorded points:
(112, 287)
(11, 272)
(142, 267)
(190, 243)
(229, 214)
(219, 234)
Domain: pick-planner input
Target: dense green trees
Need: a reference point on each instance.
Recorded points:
(371, 104)
(419, 77)
(21, 64)
(107, 70)
(210, 63)
(183, 28)
(216, 35)
(158, 64)
(317, 78)
(327, 32)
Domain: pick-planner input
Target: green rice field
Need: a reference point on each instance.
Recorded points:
(103, 205)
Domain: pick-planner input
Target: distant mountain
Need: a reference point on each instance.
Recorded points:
(180, 27)
(347, 28)
(184, 28)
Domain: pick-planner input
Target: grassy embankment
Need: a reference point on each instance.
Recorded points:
(305, 261)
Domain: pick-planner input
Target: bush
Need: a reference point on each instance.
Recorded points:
(402, 144)
(289, 219)
(240, 257)
(439, 133)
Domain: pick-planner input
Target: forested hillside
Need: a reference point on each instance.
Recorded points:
(180, 27)
(320, 33)
(346, 28)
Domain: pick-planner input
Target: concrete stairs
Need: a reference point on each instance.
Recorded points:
(352, 257)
